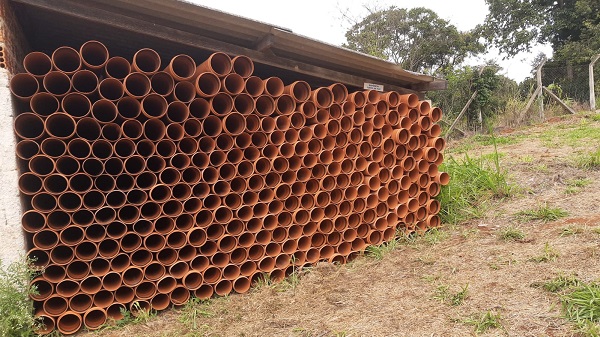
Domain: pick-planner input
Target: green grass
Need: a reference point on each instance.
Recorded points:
(582, 307)
(378, 252)
(474, 183)
(548, 255)
(559, 283)
(16, 309)
(571, 230)
(443, 293)
(484, 321)
(571, 134)
(485, 140)
(542, 213)
(595, 117)
(589, 161)
(575, 185)
(511, 233)
(193, 311)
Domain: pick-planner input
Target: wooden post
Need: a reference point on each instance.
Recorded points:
(462, 112)
(539, 85)
(559, 101)
(464, 109)
(592, 84)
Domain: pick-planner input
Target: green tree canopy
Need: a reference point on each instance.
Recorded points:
(417, 39)
(572, 27)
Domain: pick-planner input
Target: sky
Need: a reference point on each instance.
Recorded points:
(328, 21)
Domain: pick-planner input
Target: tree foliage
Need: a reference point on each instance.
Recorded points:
(494, 91)
(572, 27)
(417, 39)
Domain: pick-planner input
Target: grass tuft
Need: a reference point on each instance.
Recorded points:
(512, 233)
(378, 252)
(443, 294)
(484, 321)
(475, 181)
(570, 230)
(582, 307)
(542, 213)
(559, 283)
(589, 161)
(548, 255)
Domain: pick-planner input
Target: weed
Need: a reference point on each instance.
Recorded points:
(542, 213)
(559, 283)
(527, 159)
(194, 309)
(16, 309)
(582, 307)
(378, 252)
(340, 334)
(595, 117)
(264, 281)
(435, 236)
(579, 182)
(443, 294)
(512, 233)
(141, 316)
(570, 230)
(589, 161)
(484, 321)
(541, 168)
(549, 255)
(475, 181)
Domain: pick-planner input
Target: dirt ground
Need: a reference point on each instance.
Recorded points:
(398, 295)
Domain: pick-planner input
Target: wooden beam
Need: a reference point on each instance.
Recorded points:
(265, 43)
(86, 11)
(430, 86)
(559, 101)
(529, 103)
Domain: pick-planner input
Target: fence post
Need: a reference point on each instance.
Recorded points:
(539, 85)
(592, 84)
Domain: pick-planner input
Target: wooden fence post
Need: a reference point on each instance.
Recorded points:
(592, 84)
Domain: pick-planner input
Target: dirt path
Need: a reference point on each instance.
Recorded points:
(402, 293)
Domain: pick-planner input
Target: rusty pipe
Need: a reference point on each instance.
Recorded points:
(57, 83)
(94, 55)
(137, 85)
(66, 60)
(37, 64)
(243, 66)
(68, 322)
(29, 126)
(44, 104)
(182, 67)
(146, 61)
(24, 86)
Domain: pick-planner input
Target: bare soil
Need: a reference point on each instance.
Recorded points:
(396, 296)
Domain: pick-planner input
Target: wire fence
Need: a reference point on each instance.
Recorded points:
(571, 82)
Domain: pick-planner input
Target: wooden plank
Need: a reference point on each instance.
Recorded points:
(559, 101)
(430, 86)
(529, 103)
(116, 20)
(462, 112)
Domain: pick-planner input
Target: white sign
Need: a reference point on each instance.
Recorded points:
(373, 86)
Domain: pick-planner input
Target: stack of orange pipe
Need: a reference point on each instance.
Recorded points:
(148, 184)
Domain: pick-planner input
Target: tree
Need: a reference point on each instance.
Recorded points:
(572, 27)
(417, 39)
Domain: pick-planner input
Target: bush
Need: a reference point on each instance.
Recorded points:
(16, 308)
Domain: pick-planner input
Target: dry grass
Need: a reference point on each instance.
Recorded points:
(397, 294)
